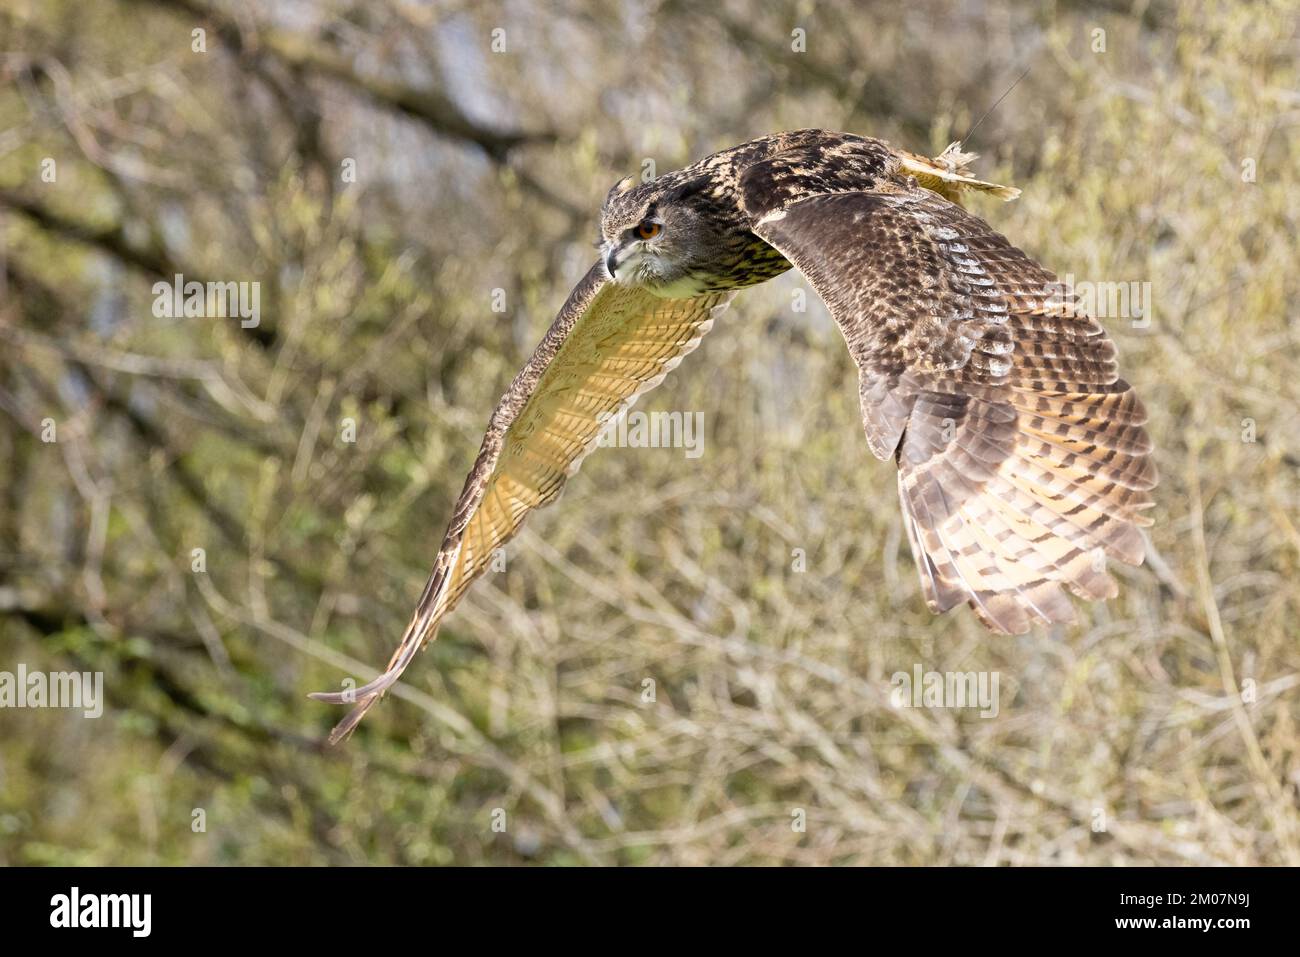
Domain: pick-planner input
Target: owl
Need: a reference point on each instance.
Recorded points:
(1021, 457)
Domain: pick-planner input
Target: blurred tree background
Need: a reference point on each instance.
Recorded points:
(650, 680)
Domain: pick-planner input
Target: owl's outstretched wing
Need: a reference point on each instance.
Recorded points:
(1021, 456)
(608, 345)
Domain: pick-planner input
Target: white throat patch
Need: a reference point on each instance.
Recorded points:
(638, 270)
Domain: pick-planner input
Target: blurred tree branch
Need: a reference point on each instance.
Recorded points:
(430, 106)
(148, 257)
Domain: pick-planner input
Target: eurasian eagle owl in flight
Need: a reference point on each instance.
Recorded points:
(1022, 461)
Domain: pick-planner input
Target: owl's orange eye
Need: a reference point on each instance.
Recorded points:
(649, 229)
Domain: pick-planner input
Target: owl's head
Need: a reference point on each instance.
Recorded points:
(660, 235)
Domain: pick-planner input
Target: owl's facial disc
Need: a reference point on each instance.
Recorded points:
(631, 254)
(649, 254)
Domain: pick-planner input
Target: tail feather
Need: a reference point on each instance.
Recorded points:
(949, 175)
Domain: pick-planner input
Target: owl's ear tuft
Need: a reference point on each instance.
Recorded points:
(622, 186)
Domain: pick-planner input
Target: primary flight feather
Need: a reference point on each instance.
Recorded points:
(1022, 461)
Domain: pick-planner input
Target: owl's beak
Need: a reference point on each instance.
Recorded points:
(611, 262)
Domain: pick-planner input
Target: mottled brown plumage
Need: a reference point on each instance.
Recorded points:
(1022, 462)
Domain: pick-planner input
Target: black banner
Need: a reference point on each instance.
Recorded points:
(347, 906)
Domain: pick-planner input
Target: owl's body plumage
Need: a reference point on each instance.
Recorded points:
(1022, 461)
